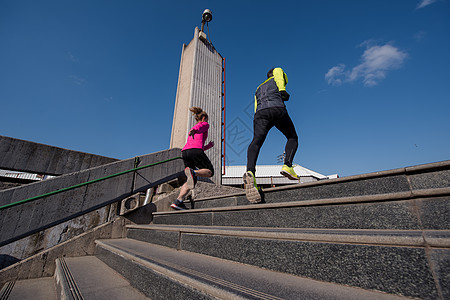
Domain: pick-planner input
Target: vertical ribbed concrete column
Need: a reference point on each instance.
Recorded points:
(199, 84)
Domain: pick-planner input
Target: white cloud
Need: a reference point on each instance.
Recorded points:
(335, 74)
(72, 57)
(424, 3)
(419, 36)
(77, 80)
(376, 62)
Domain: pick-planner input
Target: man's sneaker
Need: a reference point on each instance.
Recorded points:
(178, 205)
(289, 172)
(251, 189)
(191, 178)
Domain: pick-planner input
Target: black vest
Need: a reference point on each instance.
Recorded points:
(268, 95)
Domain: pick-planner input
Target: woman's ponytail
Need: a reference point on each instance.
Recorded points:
(199, 113)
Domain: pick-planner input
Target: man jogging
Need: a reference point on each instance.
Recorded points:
(270, 111)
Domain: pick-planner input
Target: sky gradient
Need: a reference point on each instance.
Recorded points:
(369, 80)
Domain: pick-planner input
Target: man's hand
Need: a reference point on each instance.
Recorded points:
(284, 95)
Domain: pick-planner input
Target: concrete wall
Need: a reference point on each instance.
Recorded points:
(20, 155)
(200, 84)
(42, 264)
(23, 220)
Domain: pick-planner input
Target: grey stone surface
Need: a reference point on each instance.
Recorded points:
(48, 238)
(206, 190)
(397, 270)
(430, 180)
(38, 158)
(434, 213)
(184, 219)
(230, 280)
(36, 289)
(164, 238)
(383, 215)
(95, 280)
(152, 284)
(42, 263)
(440, 260)
(339, 189)
(221, 202)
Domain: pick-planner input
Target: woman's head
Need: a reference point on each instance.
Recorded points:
(199, 114)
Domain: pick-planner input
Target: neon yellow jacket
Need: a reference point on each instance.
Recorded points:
(268, 93)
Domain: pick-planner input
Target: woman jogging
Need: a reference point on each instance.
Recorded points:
(194, 157)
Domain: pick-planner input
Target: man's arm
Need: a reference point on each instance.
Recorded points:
(281, 80)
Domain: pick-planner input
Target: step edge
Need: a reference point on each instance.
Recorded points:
(173, 275)
(341, 200)
(404, 238)
(6, 290)
(66, 286)
(423, 168)
(372, 293)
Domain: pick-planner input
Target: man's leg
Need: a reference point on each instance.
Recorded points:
(261, 126)
(286, 126)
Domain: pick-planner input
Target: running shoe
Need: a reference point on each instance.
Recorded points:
(179, 205)
(191, 200)
(251, 189)
(289, 172)
(191, 178)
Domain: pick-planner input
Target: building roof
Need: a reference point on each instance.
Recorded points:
(23, 175)
(267, 174)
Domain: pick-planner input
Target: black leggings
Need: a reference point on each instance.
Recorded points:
(196, 158)
(263, 121)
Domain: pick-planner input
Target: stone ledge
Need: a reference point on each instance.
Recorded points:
(346, 200)
(406, 238)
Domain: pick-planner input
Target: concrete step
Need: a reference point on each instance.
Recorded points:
(424, 209)
(402, 262)
(165, 273)
(87, 277)
(410, 179)
(75, 278)
(30, 289)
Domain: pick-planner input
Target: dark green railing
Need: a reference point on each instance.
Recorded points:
(85, 183)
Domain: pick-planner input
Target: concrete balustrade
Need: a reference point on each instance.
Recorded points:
(28, 218)
(26, 156)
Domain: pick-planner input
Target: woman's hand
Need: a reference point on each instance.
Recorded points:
(192, 132)
(210, 145)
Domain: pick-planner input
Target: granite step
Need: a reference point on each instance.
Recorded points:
(87, 277)
(30, 289)
(418, 210)
(402, 262)
(174, 274)
(75, 278)
(409, 179)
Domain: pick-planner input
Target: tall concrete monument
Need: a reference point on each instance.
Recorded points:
(200, 83)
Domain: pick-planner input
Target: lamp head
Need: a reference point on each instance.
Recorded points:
(207, 15)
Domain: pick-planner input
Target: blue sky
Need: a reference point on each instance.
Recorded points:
(369, 80)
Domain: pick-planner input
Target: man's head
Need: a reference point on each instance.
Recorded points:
(270, 73)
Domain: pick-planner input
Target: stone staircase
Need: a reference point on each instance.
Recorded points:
(384, 235)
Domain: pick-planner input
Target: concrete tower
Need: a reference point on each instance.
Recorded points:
(200, 83)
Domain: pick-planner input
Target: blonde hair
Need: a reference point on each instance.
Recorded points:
(199, 113)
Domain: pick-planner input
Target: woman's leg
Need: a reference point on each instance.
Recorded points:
(204, 173)
(183, 191)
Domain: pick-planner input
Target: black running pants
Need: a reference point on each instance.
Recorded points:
(263, 121)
